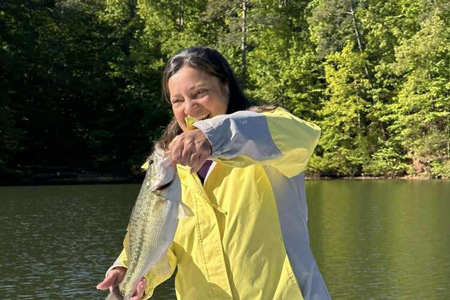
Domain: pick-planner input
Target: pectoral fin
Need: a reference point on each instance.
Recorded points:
(184, 211)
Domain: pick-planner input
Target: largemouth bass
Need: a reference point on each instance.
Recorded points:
(152, 224)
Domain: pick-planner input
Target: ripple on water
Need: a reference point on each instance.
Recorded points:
(372, 239)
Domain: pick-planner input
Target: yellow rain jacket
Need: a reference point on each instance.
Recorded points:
(248, 238)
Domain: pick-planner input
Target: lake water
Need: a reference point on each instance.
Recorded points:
(374, 239)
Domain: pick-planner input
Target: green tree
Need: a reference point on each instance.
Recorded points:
(344, 143)
(423, 104)
(283, 68)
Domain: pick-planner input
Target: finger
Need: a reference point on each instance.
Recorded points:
(203, 157)
(188, 151)
(173, 142)
(195, 169)
(140, 290)
(114, 277)
(120, 276)
(108, 281)
(195, 162)
(176, 152)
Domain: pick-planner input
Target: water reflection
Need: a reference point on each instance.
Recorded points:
(382, 239)
(372, 239)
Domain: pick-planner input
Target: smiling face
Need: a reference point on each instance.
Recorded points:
(195, 93)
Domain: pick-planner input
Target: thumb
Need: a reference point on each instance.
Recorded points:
(107, 282)
(140, 290)
(114, 277)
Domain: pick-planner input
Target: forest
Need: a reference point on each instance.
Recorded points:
(80, 89)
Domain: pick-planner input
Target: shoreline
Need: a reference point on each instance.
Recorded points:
(38, 175)
(82, 179)
(61, 175)
(412, 178)
(72, 181)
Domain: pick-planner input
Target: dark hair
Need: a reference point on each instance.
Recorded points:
(212, 62)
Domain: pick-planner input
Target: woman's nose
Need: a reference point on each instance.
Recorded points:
(190, 107)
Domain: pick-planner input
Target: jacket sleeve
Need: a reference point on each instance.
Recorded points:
(153, 280)
(275, 138)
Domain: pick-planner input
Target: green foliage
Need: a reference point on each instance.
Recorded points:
(440, 169)
(387, 161)
(282, 66)
(330, 24)
(68, 95)
(423, 115)
(80, 79)
(343, 116)
(10, 136)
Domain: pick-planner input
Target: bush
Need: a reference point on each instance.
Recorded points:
(386, 162)
(440, 169)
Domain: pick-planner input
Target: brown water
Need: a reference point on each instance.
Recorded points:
(374, 239)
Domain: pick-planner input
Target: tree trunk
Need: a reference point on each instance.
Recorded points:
(358, 38)
(181, 15)
(244, 43)
(448, 140)
(133, 9)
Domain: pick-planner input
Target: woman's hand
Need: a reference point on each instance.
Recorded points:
(115, 276)
(191, 148)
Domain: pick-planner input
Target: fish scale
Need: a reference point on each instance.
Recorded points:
(152, 224)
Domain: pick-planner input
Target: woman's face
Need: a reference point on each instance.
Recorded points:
(195, 93)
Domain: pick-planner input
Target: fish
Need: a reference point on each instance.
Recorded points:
(153, 223)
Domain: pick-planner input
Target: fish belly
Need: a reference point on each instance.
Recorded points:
(150, 240)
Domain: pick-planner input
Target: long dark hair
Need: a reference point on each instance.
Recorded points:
(207, 60)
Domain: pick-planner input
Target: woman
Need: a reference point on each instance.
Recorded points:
(242, 174)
